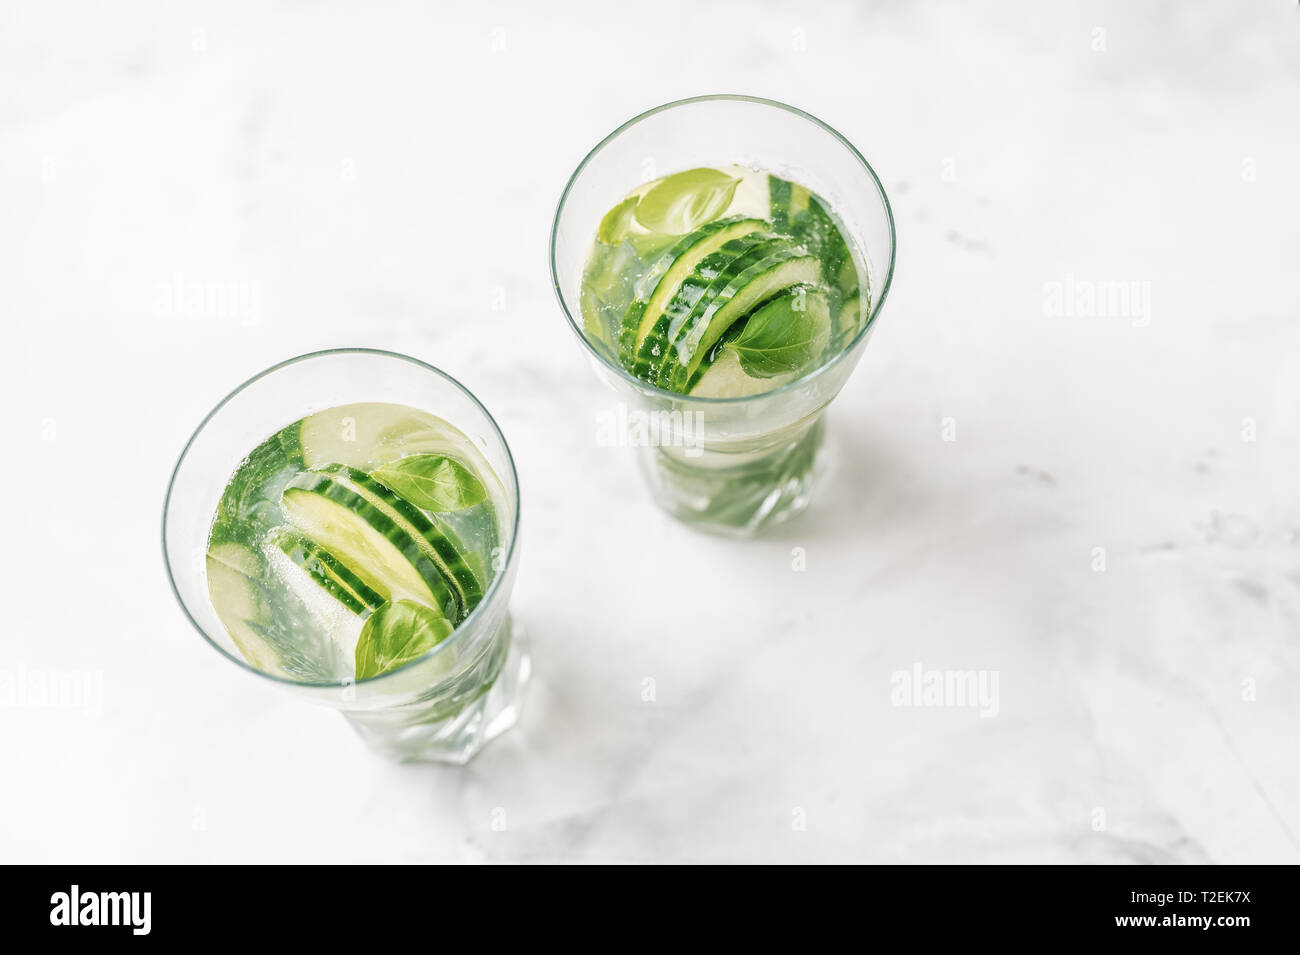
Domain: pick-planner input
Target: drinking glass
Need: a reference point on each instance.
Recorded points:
(729, 465)
(465, 691)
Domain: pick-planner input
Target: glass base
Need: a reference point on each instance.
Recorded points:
(742, 489)
(421, 731)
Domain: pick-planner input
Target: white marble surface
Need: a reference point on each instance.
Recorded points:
(387, 178)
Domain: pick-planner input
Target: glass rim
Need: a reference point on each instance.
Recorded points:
(873, 309)
(462, 627)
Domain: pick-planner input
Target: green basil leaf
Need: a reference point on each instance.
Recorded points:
(684, 201)
(434, 482)
(783, 335)
(617, 222)
(397, 633)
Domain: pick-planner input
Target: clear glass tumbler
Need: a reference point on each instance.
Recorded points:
(445, 705)
(729, 465)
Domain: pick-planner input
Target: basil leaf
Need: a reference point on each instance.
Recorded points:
(434, 482)
(684, 201)
(783, 335)
(397, 633)
(617, 222)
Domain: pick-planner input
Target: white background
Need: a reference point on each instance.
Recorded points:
(353, 175)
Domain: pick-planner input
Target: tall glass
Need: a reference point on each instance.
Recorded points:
(730, 465)
(445, 705)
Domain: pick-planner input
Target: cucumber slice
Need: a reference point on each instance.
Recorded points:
(240, 604)
(725, 378)
(787, 266)
(331, 574)
(238, 558)
(437, 540)
(689, 312)
(846, 278)
(358, 435)
(807, 217)
(247, 506)
(663, 277)
(364, 534)
(779, 201)
(270, 626)
(694, 289)
(849, 319)
(368, 435)
(753, 195)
